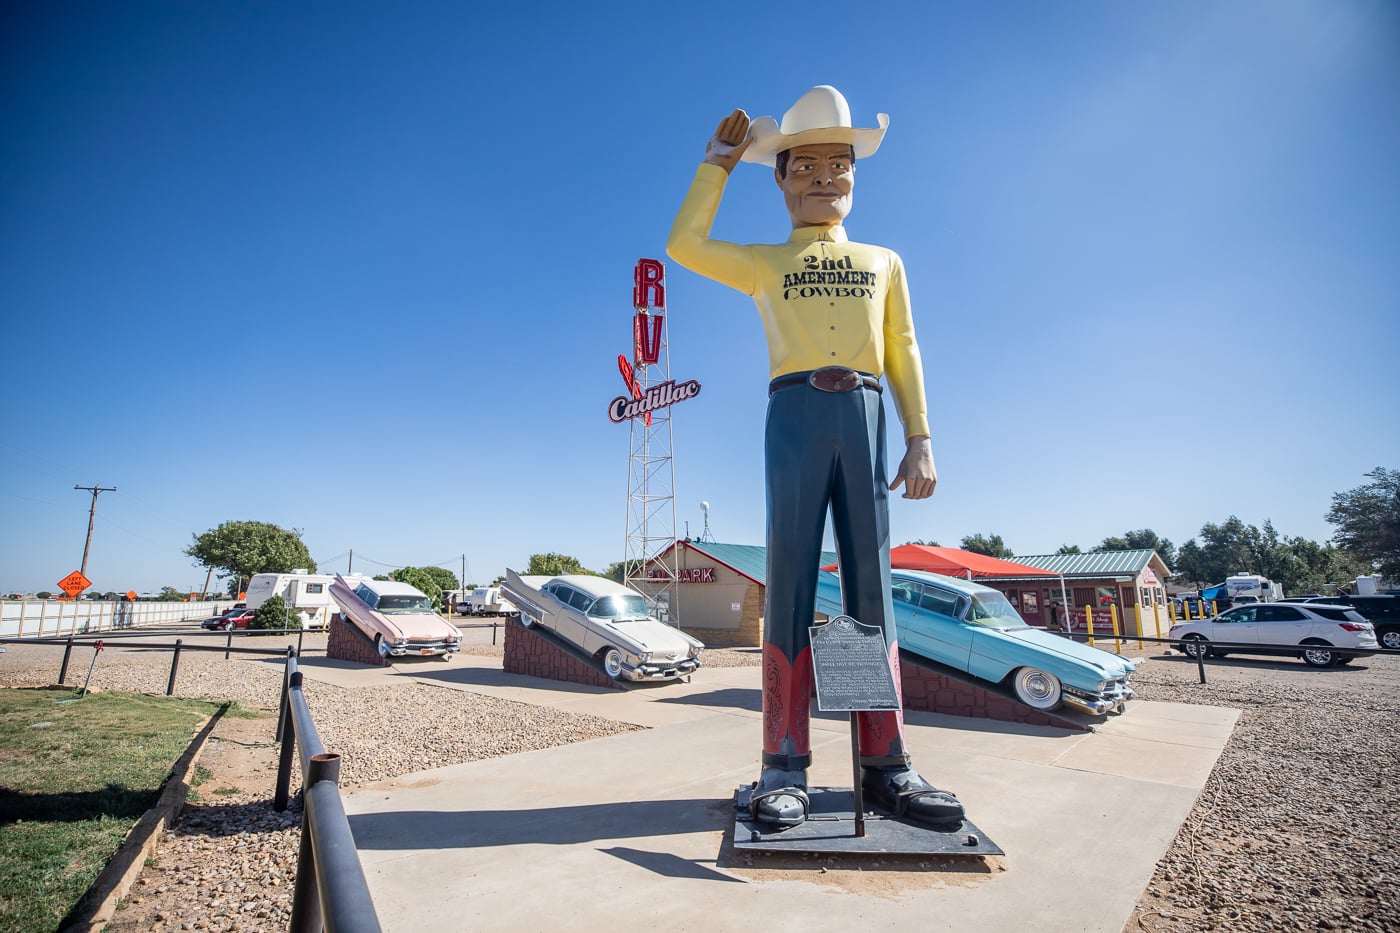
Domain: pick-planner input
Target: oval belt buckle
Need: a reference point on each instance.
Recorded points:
(835, 379)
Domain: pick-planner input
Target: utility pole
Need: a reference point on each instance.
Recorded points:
(92, 514)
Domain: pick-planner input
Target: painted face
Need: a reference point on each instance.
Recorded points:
(818, 184)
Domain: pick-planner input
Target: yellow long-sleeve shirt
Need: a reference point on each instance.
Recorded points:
(824, 300)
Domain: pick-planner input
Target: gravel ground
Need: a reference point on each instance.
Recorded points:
(1294, 828)
(1292, 831)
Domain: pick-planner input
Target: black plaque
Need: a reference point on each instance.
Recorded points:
(851, 664)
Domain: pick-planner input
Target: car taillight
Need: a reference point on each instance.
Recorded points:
(1356, 626)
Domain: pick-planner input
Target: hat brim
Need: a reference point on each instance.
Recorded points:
(769, 140)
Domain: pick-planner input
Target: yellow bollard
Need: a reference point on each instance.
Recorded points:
(1113, 617)
(1137, 612)
(1171, 613)
(1089, 623)
(1157, 618)
(1214, 609)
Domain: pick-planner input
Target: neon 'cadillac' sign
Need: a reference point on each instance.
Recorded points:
(649, 300)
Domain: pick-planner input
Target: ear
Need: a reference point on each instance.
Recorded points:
(778, 178)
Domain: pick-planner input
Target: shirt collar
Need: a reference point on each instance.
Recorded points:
(835, 234)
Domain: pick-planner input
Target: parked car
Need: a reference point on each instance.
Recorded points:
(237, 617)
(606, 620)
(1303, 630)
(974, 629)
(398, 618)
(1383, 612)
(1192, 605)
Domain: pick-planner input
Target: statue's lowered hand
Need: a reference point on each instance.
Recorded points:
(916, 473)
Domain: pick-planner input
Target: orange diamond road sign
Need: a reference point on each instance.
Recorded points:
(74, 583)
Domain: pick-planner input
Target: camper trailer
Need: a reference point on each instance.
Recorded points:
(1252, 584)
(307, 594)
(488, 601)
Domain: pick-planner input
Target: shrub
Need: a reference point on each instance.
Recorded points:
(271, 614)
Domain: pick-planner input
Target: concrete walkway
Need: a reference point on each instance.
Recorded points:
(635, 830)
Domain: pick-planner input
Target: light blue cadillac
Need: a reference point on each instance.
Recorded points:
(973, 628)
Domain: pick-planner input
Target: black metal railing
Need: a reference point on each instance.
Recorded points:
(331, 892)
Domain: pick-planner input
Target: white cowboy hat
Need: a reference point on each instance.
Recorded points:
(819, 116)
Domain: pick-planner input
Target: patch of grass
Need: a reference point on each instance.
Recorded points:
(75, 776)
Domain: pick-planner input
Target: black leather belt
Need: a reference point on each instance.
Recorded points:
(828, 379)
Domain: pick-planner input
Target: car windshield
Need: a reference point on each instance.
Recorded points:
(399, 605)
(619, 606)
(992, 610)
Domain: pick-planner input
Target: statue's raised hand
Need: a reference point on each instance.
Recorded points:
(729, 142)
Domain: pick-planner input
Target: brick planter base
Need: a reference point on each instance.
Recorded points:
(345, 642)
(955, 694)
(536, 655)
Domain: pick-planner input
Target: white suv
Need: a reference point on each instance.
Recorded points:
(1306, 631)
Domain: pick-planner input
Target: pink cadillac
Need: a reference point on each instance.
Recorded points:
(397, 617)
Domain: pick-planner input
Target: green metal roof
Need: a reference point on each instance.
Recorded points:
(1095, 563)
(751, 560)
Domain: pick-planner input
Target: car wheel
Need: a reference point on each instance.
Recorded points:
(1195, 645)
(1315, 654)
(612, 663)
(1390, 638)
(526, 621)
(1037, 689)
(381, 646)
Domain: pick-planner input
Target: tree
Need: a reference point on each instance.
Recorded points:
(441, 577)
(925, 543)
(168, 594)
(1297, 564)
(43, 594)
(992, 546)
(1190, 563)
(422, 578)
(1368, 521)
(616, 570)
(1069, 549)
(553, 565)
(1142, 539)
(242, 549)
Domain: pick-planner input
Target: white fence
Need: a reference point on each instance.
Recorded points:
(25, 618)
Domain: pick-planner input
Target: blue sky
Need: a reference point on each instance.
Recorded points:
(365, 272)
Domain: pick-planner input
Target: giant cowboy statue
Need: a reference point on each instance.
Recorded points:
(837, 317)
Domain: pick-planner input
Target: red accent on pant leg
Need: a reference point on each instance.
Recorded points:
(882, 733)
(776, 675)
(801, 695)
(787, 702)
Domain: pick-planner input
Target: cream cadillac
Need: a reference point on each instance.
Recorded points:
(398, 618)
(606, 620)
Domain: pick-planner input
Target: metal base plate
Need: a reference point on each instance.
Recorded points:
(831, 827)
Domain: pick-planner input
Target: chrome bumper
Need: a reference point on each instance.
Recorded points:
(667, 671)
(1102, 703)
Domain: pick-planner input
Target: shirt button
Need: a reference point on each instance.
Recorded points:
(833, 326)
(833, 352)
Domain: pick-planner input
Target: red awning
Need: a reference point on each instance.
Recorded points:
(955, 562)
